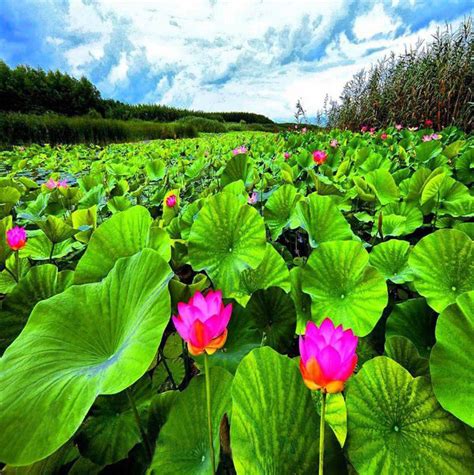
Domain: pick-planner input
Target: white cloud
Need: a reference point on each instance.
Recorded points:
(259, 56)
(374, 22)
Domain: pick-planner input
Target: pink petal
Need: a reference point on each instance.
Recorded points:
(200, 340)
(326, 329)
(214, 302)
(329, 362)
(200, 302)
(347, 368)
(181, 328)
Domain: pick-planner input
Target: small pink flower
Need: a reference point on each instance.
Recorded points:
(303, 130)
(319, 156)
(399, 126)
(287, 155)
(296, 126)
(428, 123)
(328, 356)
(252, 199)
(384, 136)
(238, 150)
(51, 184)
(62, 184)
(334, 143)
(364, 129)
(372, 130)
(16, 238)
(171, 201)
(435, 136)
(202, 322)
(426, 138)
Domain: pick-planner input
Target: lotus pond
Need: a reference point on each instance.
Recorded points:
(156, 302)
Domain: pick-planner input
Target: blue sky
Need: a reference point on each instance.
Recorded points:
(258, 56)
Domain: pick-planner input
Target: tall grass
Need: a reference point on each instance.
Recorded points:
(433, 81)
(17, 129)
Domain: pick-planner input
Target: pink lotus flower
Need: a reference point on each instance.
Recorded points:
(62, 184)
(328, 356)
(303, 130)
(296, 126)
(252, 199)
(171, 201)
(428, 123)
(435, 136)
(238, 150)
(51, 184)
(202, 322)
(287, 155)
(320, 156)
(384, 136)
(372, 130)
(426, 138)
(16, 238)
(364, 129)
(399, 126)
(334, 143)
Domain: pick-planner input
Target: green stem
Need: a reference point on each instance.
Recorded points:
(51, 253)
(321, 433)
(145, 440)
(209, 421)
(17, 266)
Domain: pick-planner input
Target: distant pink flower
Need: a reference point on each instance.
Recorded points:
(319, 156)
(334, 143)
(428, 123)
(364, 129)
(412, 129)
(296, 126)
(328, 356)
(384, 136)
(426, 138)
(16, 238)
(62, 184)
(287, 155)
(435, 136)
(252, 199)
(372, 130)
(238, 150)
(303, 130)
(399, 126)
(202, 322)
(171, 201)
(51, 184)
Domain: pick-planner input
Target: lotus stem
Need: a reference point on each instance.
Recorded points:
(51, 253)
(321, 433)
(144, 437)
(17, 266)
(209, 420)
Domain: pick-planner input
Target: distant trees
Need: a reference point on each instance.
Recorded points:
(35, 91)
(431, 81)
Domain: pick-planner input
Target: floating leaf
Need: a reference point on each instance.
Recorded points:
(89, 340)
(443, 266)
(391, 259)
(320, 218)
(238, 168)
(395, 425)
(451, 362)
(183, 442)
(404, 352)
(344, 287)
(226, 238)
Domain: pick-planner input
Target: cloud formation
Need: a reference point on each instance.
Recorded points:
(259, 56)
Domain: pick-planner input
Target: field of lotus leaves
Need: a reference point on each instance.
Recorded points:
(154, 298)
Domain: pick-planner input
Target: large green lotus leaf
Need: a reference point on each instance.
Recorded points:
(443, 266)
(271, 272)
(8, 197)
(40, 248)
(238, 167)
(275, 426)
(396, 425)
(91, 339)
(56, 229)
(465, 167)
(122, 235)
(451, 361)
(243, 336)
(403, 351)
(301, 300)
(225, 239)
(399, 219)
(391, 259)
(183, 442)
(321, 219)
(383, 185)
(278, 209)
(344, 287)
(274, 314)
(111, 431)
(40, 283)
(155, 169)
(415, 320)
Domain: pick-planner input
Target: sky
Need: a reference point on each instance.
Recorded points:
(215, 55)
